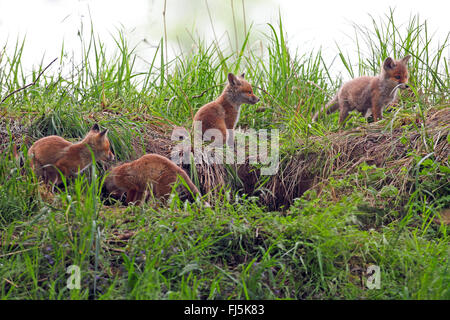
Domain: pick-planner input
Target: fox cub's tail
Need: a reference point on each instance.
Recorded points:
(330, 107)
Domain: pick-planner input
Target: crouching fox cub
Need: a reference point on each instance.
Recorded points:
(151, 172)
(370, 94)
(53, 152)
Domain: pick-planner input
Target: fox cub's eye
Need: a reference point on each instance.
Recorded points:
(397, 77)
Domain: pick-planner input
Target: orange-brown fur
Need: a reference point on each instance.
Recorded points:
(53, 152)
(150, 172)
(223, 113)
(370, 94)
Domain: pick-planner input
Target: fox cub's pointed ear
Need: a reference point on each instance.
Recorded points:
(243, 75)
(233, 80)
(388, 63)
(103, 133)
(406, 59)
(95, 128)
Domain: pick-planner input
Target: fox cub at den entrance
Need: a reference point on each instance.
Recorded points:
(223, 113)
(53, 152)
(151, 172)
(370, 94)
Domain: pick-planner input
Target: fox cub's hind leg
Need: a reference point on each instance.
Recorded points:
(343, 113)
(132, 196)
(376, 111)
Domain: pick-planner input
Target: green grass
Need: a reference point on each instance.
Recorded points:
(318, 248)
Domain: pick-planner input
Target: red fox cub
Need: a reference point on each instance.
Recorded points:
(223, 113)
(150, 172)
(52, 152)
(370, 94)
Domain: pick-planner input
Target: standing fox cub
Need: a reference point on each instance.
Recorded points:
(53, 152)
(223, 113)
(150, 172)
(370, 94)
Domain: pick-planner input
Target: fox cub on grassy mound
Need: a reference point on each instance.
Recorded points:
(370, 94)
(53, 152)
(223, 113)
(151, 172)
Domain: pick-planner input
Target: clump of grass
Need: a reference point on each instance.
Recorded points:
(18, 189)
